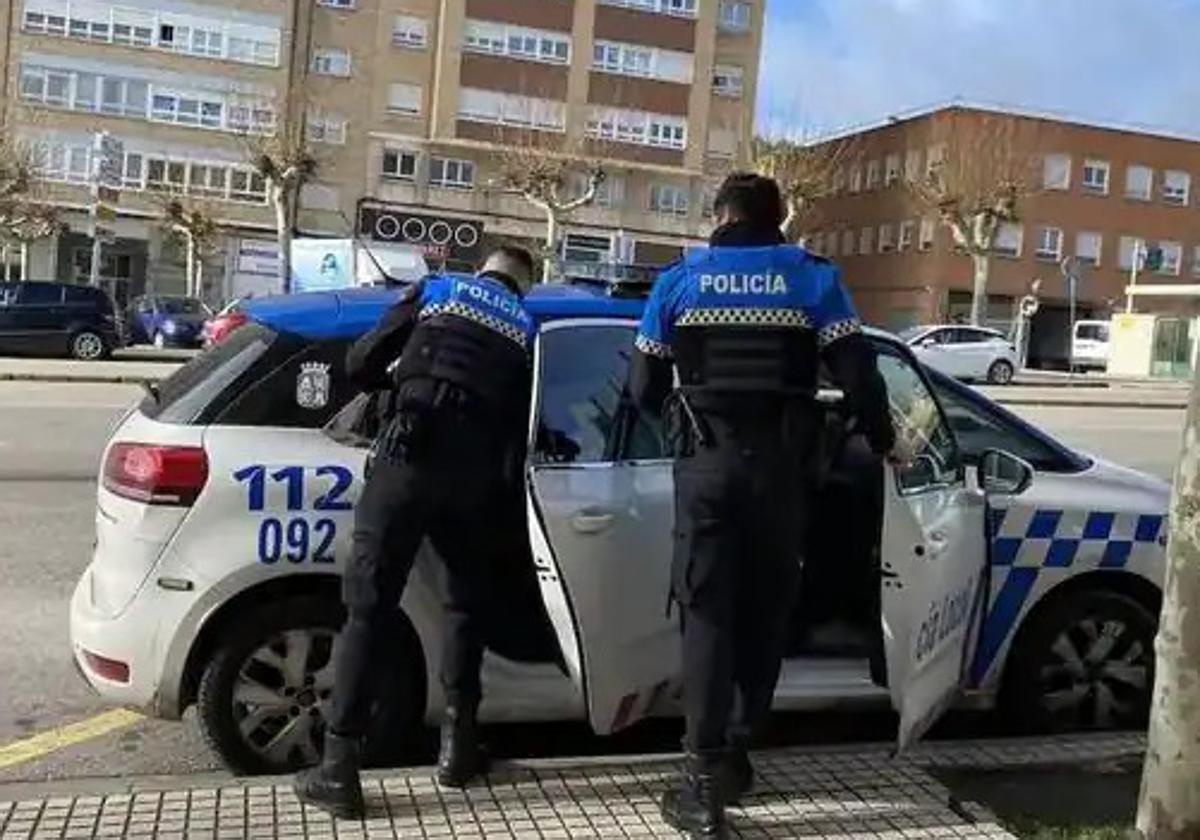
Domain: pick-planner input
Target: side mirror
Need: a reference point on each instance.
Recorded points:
(1003, 474)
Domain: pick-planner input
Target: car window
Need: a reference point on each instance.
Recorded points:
(181, 306)
(919, 422)
(39, 294)
(979, 427)
(582, 376)
(87, 296)
(1092, 332)
(305, 391)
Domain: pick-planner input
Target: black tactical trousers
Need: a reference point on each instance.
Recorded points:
(739, 514)
(447, 488)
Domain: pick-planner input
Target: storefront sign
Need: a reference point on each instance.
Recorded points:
(439, 238)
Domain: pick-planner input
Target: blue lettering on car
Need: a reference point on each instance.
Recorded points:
(296, 539)
(946, 615)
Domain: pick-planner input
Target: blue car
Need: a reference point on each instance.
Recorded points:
(168, 320)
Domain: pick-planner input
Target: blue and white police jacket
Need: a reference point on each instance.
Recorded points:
(480, 300)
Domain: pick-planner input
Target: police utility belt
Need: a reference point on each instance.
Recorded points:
(686, 431)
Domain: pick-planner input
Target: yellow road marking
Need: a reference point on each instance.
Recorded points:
(52, 740)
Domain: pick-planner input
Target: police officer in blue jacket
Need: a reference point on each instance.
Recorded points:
(744, 324)
(455, 355)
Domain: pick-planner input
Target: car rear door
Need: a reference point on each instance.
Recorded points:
(40, 318)
(600, 521)
(933, 557)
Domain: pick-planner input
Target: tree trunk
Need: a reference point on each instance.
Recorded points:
(551, 256)
(1170, 800)
(791, 225)
(283, 237)
(190, 283)
(7, 265)
(24, 261)
(981, 264)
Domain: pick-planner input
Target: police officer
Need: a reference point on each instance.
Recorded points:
(744, 323)
(455, 355)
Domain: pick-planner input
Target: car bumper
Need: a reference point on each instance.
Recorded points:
(106, 645)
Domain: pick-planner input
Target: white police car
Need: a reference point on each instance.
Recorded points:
(225, 508)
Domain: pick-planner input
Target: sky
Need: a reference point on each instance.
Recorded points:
(833, 64)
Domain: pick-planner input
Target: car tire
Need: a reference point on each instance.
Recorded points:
(88, 346)
(1001, 372)
(1085, 662)
(237, 669)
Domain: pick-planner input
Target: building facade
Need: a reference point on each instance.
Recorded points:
(407, 105)
(1099, 194)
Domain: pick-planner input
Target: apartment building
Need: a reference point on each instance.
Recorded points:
(408, 105)
(1098, 193)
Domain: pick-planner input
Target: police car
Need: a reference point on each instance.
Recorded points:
(1000, 562)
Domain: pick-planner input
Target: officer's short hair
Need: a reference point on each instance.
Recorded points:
(512, 261)
(750, 198)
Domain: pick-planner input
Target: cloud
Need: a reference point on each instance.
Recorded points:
(829, 64)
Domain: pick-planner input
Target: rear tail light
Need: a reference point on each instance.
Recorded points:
(156, 475)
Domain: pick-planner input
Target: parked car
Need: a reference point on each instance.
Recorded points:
(971, 353)
(167, 320)
(1089, 345)
(217, 328)
(57, 319)
(225, 509)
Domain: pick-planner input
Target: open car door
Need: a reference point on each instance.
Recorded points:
(601, 508)
(933, 557)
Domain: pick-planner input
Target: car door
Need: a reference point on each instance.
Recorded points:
(600, 523)
(40, 318)
(9, 341)
(979, 349)
(933, 558)
(937, 349)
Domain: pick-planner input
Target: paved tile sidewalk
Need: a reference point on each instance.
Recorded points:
(839, 793)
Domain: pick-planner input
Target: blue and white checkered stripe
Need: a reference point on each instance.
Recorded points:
(1026, 543)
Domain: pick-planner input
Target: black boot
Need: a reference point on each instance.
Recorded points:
(461, 757)
(696, 807)
(737, 773)
(334, 785)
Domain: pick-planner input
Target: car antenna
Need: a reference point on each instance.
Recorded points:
(357, 236)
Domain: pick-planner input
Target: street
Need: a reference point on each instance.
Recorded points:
(51, 436)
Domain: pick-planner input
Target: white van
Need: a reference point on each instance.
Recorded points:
(1089, 345)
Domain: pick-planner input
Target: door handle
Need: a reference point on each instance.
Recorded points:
(592, 522)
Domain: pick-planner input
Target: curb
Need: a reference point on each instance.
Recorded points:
(1052, 402)
(80, 379)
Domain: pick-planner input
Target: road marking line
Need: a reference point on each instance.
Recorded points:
(52, 740)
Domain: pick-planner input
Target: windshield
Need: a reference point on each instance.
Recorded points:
(182, 306)
(912, 332)
(1092, 332)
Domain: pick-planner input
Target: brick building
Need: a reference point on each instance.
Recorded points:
(405, 102)
(1091, 191)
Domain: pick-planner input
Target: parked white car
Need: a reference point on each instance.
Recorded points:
(225, 510)
(964, 352)
(1089, 345)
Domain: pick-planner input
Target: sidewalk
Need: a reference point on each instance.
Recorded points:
(69, 370)
(1140, 396)
(838, 793)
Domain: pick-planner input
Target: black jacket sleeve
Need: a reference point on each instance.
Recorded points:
(650, 381)
(852, 362)
(369, 358)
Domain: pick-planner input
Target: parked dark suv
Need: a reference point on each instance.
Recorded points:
(56, 319)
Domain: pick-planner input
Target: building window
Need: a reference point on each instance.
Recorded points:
(736, 16)
(517, 42)
(837, 181)
(848, 243)
(1176, 187)
(722, 142)
(1172, 258)
(866, 240)
(1139, 183)
(647, 62)
(404, 99)
(451, 173)
(329, 61)
(637, 127)
(408, 31)
(1196, 261)
(399, 165)
(1095, 176)
(336, 4)
(727, 80)
(511, 109)
(676, 8)
(905, 241)
(928, 231)
(912, 165)
(856, 177)
(325, 128)
(891, 169)
(1049, 244)
(609, 194)
(1009, 238)
(887, 241)
(1056, 172)
(935, 160)
(669, 200)
(1088, 247)
(1130, 247)
(873, 175)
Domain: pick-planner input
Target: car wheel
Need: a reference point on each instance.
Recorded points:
(262, 698)
(160, 340)
(87, 346)
(1001, 372)
(1087, 663)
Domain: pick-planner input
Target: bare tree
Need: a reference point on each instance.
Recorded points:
(545, 178)
(25, 215)
(973, 181)
(1170, 797)
(285, 161)
(805, 174)
(194, 224)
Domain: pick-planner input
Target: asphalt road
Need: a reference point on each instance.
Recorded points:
(51, 437)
